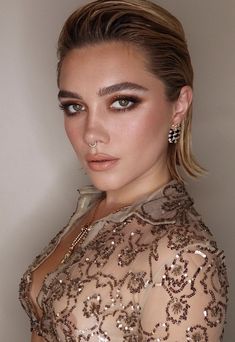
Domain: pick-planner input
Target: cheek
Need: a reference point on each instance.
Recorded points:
(151, 130)
(68, 130)
(72, 130)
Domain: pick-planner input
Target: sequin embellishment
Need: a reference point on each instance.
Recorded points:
(152, 273)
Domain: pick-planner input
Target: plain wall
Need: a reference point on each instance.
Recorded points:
(39, 172)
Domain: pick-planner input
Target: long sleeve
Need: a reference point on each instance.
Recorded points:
(187, 299)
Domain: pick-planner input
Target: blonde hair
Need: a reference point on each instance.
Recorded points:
(160, 35)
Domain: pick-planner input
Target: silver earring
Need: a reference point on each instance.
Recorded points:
(93, 145)
(174, 134)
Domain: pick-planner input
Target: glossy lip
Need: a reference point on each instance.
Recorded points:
(100, 161)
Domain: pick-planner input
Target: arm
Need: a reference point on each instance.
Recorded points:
(187, 301)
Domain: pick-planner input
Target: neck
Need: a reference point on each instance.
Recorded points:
(134, 191)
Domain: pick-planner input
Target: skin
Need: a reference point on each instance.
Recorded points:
(139, 133)
(129, 122)
(36, 338)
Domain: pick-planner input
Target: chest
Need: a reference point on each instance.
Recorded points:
(52, 262)
(100, 284)
(97, 288)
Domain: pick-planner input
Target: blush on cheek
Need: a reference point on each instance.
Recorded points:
(152, 129)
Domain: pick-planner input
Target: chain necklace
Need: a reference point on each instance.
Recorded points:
(86, 228)
(80, 238)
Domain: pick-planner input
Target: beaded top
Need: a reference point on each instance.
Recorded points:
(149, 272)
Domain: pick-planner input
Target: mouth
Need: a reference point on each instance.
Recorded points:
(101, 162)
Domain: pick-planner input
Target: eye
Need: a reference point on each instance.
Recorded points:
(72, 108)
(124, 103)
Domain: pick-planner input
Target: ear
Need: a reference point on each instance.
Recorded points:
(182, 105)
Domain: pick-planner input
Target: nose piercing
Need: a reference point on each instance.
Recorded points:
(93, 145)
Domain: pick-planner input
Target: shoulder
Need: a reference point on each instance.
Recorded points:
(172, 210)
(183, 269)
(172, 204)
(172, 228)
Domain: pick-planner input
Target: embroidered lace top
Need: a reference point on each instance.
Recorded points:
(149, 272)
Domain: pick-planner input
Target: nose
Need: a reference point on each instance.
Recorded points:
(96, 129)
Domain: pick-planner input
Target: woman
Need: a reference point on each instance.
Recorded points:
(136, 262)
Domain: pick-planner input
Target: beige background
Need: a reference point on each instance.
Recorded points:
(40, 174)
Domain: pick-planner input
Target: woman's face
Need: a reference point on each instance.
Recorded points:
(110, 97)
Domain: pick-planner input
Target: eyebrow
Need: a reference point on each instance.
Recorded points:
(120, 86)
(104, 91)
(70, 94)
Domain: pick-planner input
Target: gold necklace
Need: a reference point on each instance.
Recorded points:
(80, 238)
(86, 228)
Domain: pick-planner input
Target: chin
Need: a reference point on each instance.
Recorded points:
(104, 186)
(106, 183)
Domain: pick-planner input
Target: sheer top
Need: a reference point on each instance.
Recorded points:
(149, 272)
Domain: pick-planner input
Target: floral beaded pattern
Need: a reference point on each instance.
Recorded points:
(153, 272)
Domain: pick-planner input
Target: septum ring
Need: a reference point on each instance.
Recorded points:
(93, 145)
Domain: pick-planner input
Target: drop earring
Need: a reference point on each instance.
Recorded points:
(174, 134)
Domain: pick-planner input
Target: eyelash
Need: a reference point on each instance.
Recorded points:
(133, 99)
(65, 108)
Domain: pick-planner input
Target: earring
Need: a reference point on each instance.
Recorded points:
(174, 134)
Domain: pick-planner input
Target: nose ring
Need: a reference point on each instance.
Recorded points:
(93, 145)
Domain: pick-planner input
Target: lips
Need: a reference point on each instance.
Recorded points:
(101, 162)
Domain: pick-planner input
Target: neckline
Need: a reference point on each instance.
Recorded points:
(90, 191)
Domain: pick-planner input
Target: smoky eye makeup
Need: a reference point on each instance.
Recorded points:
(118, 103)
(71, 109)
(122, 103)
